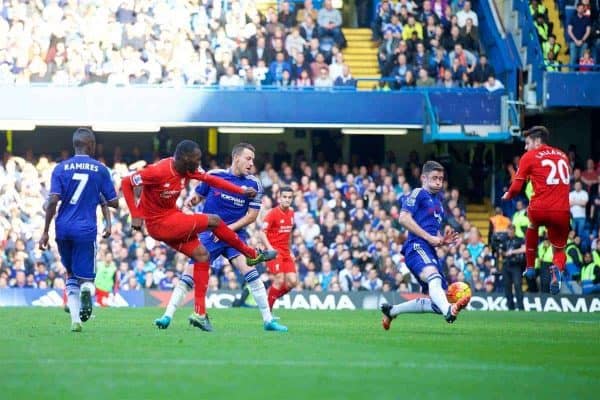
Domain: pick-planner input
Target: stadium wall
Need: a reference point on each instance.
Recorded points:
(153, 107)
(307, 300)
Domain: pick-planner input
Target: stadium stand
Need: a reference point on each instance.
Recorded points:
(205, 42)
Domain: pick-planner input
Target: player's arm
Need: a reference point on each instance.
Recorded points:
(262, 233)
(219, 183)
(253, 209)
(246, 220)
(50, 208)
(200, 193)
(128, 184)
(56, 190)
(106, 215)
(519, 179)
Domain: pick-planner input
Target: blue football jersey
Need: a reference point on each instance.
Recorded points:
(427, 210)
(79, 182)
(231, 207)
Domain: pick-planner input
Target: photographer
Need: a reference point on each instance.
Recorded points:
(513, 266)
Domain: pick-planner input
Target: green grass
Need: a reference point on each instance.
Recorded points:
(326, 355)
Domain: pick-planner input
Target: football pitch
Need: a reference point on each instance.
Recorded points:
(326, 355)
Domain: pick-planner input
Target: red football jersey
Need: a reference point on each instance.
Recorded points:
(278, 225)
(548, 169)
(162, 185)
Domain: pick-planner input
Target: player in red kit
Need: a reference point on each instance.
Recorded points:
(162, 183)
(277, 232)
(548, 169)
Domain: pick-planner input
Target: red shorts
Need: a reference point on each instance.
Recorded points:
(556, 222)
(102, 297)
(282, 264)
(178, 230)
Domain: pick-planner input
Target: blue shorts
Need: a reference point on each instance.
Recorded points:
(417, 257)
(217, 247)
(78, 257)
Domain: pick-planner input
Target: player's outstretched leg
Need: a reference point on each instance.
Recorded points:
(87, 300)
(185, 285)
(422, 305)
(262, 256)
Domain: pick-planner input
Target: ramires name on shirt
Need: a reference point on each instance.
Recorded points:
(81, 165)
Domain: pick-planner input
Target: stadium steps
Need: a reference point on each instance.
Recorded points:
(557, 29)
(479, 216)
(361, 56)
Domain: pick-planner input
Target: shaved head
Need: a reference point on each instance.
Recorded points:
(84, 141)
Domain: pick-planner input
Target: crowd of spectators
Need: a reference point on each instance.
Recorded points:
(172, 43)
(431, 43)
(582, 33)
(347, 236)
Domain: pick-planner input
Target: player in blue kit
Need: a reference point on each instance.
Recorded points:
(237, 211)
(80, 184)
(422, 214)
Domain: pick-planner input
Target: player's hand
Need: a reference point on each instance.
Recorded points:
(192, 201)
(106, 232)
(43, 243)
(450, 237)
(436, 241)
(136, 224)
(250, 192)
(505, 196)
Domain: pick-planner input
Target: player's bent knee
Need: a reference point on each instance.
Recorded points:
(200, 254)
(213, 220)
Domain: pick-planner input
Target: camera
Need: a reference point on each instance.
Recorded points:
(499, 242)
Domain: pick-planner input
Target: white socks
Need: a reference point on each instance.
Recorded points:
(437, 293)
(73, 300)
(179, 294)
(257, 288)
(422, 305)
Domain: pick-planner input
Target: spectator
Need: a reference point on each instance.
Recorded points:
(586, 62)
(307, 10)
(330, 22)
(482, 71)
(578, 30)
(230, 79)
(492, 84)
(424, 79)
(578, 199)
(323, 80)
(345, 79)
(465, 14)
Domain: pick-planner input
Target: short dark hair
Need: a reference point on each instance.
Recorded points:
(185, 147)
(82, 136)
(537, 132)
(431, 166)
(238, 148)
(286, 189)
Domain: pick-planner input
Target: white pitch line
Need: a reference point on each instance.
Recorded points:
(475, 366)
(584, 322)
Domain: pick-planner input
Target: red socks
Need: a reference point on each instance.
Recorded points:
(275, 293)
(531, 244)
(559, 258)
(201, 273)
(223, 232)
